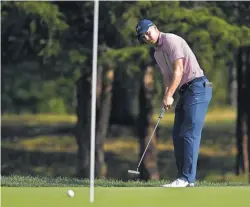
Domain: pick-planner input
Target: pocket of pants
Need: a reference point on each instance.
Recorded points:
(196, 94)
(208, 93)
(197, 88)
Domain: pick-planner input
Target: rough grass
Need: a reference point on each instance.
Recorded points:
(217, 114)
(213, 116)
(38, 119)
(118, 146)
(217, 150)
(40, 181)
(223, 119)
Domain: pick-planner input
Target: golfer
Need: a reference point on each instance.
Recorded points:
(181, 72)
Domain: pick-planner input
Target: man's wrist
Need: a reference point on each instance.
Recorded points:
(168, 94)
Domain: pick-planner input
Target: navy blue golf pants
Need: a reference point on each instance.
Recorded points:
(190, 114)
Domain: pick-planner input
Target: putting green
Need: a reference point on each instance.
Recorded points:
(126, 196)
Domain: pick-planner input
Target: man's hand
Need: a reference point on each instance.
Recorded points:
(167, 102)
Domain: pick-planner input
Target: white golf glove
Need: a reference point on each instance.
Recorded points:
(168, 101)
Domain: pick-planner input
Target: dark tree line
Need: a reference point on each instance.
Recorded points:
(47, 60)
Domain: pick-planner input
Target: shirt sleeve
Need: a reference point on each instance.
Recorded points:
(175, 48)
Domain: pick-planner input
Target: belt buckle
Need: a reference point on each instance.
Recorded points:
(183, 87)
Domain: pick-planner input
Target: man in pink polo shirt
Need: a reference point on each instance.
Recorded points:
(181, 72)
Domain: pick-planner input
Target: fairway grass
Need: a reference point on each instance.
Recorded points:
(214, 115)
(126, 196)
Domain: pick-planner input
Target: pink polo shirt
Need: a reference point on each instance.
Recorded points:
(170, 48)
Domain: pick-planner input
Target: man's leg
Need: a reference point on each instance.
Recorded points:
(178, 140)
(178, 143)
(196, 105)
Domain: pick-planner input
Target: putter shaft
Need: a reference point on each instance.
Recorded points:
(161, 115)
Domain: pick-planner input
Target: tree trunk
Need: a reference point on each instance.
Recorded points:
(103, 114)
(248, 109)
(232, 84)
(148, 168)
(243, 113)
(245, 165)
(83, 110)
(240, 115)
(82, 129)
(248, 144)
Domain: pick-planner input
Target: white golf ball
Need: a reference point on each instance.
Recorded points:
(71, 193)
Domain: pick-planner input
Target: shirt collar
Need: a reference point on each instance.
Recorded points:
(160, 41)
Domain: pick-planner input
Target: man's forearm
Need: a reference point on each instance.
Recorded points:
(176, 79)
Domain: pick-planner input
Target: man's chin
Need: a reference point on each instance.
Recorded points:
(151, 42)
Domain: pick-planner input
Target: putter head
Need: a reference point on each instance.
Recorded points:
(133, 172)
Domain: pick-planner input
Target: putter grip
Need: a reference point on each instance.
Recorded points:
(162, 112)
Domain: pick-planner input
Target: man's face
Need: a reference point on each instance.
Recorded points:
(151, 36)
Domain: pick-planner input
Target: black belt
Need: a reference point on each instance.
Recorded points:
(186, 85)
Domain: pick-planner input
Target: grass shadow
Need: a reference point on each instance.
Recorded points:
(218, 142)
(18, 131)
(58, 164)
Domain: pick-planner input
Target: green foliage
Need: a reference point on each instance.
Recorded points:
(53, 105)
(76, 57)
(128, 54)
(56, 38)
(50, 13)
(33, 26)
(212, 39)
(49, 103)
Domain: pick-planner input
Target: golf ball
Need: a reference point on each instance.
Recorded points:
(71, 193)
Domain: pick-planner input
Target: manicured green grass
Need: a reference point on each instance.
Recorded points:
(126, 196)
(47, 191)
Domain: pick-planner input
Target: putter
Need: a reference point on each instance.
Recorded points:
(137, 170)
